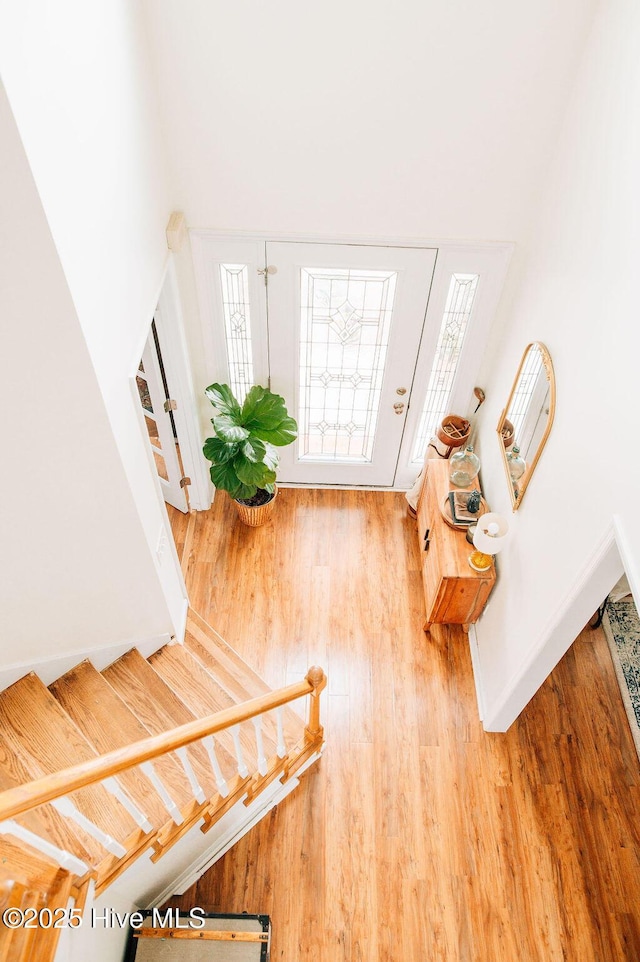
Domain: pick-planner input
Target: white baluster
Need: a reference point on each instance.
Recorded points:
(221, 784)
(191, 775)
(113, 786)
(59, 855)
(243, 771)
(262, 761)
(167, 801)
(66, 807)
(281, 748)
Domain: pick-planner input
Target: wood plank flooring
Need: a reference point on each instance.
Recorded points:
(419, 837)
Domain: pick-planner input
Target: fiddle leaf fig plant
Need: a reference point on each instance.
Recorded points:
(243, 451)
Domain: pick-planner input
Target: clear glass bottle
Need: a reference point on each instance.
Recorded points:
(463, 467)
(517, 465)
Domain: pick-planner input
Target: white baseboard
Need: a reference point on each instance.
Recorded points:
(182, 626)
(477, 671)
(48, 669)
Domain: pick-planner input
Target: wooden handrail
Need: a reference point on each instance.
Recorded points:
(23, 798)
(317, 678)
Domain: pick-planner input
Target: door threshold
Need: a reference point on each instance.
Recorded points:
(341, 487)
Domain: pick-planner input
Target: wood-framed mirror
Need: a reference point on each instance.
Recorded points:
(526, 421)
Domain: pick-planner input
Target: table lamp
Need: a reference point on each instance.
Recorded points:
(490, 537)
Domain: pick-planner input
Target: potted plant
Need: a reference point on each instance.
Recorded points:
(243, 451)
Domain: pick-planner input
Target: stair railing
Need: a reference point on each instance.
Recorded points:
(56, 787)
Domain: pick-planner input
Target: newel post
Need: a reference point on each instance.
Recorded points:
(314, 730)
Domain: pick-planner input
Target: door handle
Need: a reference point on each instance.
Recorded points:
(398, 407)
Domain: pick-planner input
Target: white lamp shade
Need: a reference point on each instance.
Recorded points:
(491, 534)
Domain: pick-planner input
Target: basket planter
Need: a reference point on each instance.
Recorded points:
(244, 448)
(255, 515)
(454, 431)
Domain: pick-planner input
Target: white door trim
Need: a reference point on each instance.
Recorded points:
(175, 357)
(360, 240)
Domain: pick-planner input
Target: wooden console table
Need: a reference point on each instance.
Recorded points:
(454, 593)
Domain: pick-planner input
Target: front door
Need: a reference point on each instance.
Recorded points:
(345, 324)
(370, 345)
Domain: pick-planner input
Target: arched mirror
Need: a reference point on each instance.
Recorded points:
(526, 421)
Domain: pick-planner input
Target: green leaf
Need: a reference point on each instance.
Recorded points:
(250, 473)
(284, 433)
(265, 411)
(219, 451)
(225, 478)
(271, 456)
(227, 428)
(252, 401)
(254, 450)
(221, 396)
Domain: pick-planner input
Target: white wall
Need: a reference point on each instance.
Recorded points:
(418, 118)
(574, 288)
(75, 562)
(82, 95)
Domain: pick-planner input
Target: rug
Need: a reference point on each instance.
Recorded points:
(622, 629)
(172, 945)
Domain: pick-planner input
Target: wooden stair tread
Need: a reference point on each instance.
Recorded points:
(237, 677)
(45, 821)
(38, 730)
(177, 660)
(158, 707)
(248, 680)
(108, 723)
(201, 693)
(24, 865)
(231, 684)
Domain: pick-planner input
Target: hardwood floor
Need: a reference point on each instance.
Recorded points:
(419, 836)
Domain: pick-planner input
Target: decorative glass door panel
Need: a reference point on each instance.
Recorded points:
(345, 318)
(234, 286)
(344, 330)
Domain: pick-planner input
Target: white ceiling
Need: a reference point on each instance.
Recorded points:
(432, 119)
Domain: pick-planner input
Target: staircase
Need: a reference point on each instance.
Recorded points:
(101, 768)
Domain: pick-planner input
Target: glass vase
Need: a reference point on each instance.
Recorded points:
(464, 467)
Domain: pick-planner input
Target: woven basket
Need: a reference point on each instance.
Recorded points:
(255, 516)
(507, 431)
(454, 431)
